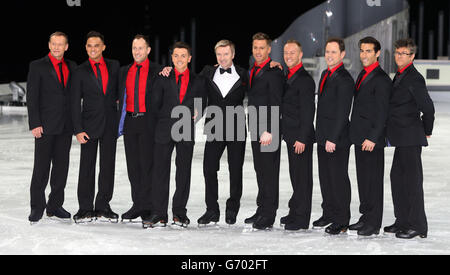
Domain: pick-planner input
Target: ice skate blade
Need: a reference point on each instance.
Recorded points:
(106, 220)
(209, 225)
(133, 221)
(56, 219)
(152, 226)
(176, 224)
(84, 221)
(267, 229)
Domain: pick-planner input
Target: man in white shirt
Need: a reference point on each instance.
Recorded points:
(226, 88)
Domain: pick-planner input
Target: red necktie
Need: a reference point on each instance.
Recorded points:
(323, 81)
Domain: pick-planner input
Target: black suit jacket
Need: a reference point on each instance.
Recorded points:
(165, 97)
(48, 102)
(410, 98)
(370, 109)
(153, 72)
(333, 108)
(299, 108)
(97, 113)
(234, 98)
(266, 91)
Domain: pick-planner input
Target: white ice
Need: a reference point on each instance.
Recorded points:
(17, 236)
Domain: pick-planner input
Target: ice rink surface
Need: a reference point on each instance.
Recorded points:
(56, 237)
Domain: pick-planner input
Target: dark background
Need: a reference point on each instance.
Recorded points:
(26, 25)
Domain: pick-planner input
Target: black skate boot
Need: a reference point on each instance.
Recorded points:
(181, 220)
(208, 217)
(35, 216)
(131, 215)
(59, 213)
(106, 215)
(84, 216)
(153, 221)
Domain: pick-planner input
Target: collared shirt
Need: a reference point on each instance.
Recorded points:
(226, 80)
(130, 85)
(368, 70)
(406, 67)
(184, 82)
(260, 67)
(329, 74)
(65, 68)
(103, 72)
(294, 70)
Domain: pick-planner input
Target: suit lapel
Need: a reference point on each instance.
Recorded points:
(211, 78)
(91, 74)
(53, 72)
(108, 67)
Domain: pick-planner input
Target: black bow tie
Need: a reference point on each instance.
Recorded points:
(222, 71)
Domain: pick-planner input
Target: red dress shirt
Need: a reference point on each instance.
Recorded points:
(103, 71)
(131, 80)
(368, 70)
(260, 67)
(65, 68)
(406, 67)
(184, 82)
(329, 73)
(294, 70)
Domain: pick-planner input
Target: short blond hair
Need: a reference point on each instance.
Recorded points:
(225, 43)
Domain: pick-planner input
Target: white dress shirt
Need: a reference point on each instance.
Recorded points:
(226, 80)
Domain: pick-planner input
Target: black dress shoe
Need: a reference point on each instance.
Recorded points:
(35, 215)
(263, 223)
(392, 229)
(83, 216)
(131, 214)
(106, 215)
(208, 217)
(357, 226)
(252, 219)
(336, 229)
(60, 213)
(230, 217)
(410, 234)
(368, 231)
(322, 222)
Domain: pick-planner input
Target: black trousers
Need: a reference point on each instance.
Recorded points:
(86, 179)
(211, 165)
(267, 168)
(370, 175)
(335, 184)
(139, 146)
(407, 189)
(161, 177)
(49, 151)
(301, 174)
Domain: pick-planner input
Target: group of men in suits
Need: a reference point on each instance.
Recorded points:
(98, 101)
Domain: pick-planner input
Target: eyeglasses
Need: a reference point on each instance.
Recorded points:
(402, 54)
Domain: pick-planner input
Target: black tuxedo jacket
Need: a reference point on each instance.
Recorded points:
(298, 109)
(410, 98)
(266, 90)
(165, 97)
(234, 98)
(333, 108)
(153, 72)
(97, 113)
(370, 109)
(48, 102)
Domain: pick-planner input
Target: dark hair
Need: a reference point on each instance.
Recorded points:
(262, 36)
(145, 37)
(58, 34)
(406, 43)
(293, 41)
(181, 45)
(95, 34)
(370, 40)
(340, 42)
